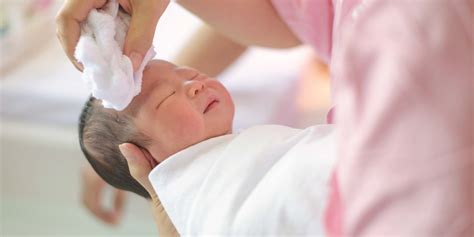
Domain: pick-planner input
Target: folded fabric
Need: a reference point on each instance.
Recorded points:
(265, 181)
(107, 71)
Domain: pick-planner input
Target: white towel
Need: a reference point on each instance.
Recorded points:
(107, 71)
(268, 180)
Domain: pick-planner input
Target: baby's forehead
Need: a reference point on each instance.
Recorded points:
(154, 75)
(157, 64)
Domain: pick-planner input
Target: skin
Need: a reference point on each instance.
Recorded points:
(218, 50)
(92, 187)
(145, 16)
(179, 107)
(247, 22)
(139, 169)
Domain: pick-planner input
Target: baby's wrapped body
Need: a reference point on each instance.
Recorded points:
(266, 180)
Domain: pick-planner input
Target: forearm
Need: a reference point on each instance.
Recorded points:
(249, 22)
(163, 222)
(209, 51)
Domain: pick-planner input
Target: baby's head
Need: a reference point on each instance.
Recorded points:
(177, 107)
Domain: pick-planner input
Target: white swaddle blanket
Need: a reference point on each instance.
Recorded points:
(267, 180)
(107, 71)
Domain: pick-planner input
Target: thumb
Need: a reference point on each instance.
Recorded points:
(140, 168)
(145, 16)
(138, 165)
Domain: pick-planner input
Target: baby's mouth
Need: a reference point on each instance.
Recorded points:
(211, 104)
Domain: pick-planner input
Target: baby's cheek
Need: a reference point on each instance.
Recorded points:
(186, 125)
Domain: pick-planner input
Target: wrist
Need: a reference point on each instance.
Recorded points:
(163, 222)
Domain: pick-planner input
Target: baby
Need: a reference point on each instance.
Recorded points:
(177, 107)
(209, 180)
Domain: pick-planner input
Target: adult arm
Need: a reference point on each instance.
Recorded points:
(209, 51)
(253, 22)
(404, 96)
(247, 22)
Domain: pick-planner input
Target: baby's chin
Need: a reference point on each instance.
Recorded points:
(221, 133)
(228, 132)
(165, 155)
(213, 135)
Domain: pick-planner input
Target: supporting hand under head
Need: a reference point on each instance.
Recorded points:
(140, 168)
(144, 17)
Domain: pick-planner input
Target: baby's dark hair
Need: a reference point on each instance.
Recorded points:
(101, 131)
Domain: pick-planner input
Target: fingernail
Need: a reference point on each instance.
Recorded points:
(125, 152)
(136, 59)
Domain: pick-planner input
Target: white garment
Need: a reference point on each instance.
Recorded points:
(266, 180)
(107, 71)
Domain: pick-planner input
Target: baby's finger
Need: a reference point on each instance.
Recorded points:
(94, 204)
(105, 216)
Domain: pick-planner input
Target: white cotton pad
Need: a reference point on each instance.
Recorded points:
(107, 71)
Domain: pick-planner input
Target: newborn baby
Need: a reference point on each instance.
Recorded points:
(265, 180)
(178, 107)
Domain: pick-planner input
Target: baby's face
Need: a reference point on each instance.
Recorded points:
(179, 107)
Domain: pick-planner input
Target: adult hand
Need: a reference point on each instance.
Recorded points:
(140, 168)
(92, 190)
(145, 15)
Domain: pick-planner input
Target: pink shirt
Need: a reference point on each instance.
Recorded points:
(403, 83)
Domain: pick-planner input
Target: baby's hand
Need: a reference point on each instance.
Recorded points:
(92, 190)
(145, 15)
(140, 168)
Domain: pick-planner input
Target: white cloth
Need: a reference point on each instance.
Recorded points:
(107, 71)
(267, 180)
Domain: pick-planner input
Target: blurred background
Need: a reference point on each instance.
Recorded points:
(41, 95)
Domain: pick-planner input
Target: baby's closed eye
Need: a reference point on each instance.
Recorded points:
(194, 77)
(163, 100)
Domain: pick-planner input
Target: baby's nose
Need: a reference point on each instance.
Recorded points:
(194, 87)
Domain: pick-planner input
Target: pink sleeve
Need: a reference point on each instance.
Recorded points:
(404, 88)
